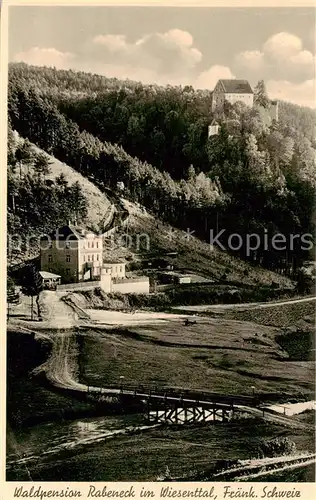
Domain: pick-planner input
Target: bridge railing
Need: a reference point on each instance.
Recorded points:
(168, 392)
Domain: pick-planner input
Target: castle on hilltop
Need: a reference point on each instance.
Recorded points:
(233, 91)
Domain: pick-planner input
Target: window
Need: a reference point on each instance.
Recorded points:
(88, 244)
(88, 258)
(92, 244)
(121, 269)
(67, 271)
(50, 258)
(84, 258)
(97, 256)
(67, 244)
(67, 258)
(92, 256)
(97, 244)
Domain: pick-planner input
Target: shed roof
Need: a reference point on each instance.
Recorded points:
(236, 86)
(47, 275)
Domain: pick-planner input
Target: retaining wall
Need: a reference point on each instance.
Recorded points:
(131, 286)
(104, 284)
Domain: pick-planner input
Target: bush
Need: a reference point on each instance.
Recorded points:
(304, 283)
(134, 266)
(298, 344)
(276, 447)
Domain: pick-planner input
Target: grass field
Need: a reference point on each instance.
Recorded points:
(300, 314)
(215, 355)
(186, 450)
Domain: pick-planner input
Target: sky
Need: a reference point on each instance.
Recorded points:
(174, 45)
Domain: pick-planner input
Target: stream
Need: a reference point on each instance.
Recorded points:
(46, 441)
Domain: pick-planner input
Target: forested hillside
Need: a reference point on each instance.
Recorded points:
(248, 179)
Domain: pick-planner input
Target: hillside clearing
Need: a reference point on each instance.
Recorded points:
(99, 204)
(149, 237)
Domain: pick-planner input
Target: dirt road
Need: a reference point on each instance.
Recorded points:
(252, 469)
(243, 306)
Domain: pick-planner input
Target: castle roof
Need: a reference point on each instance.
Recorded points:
(236, 86)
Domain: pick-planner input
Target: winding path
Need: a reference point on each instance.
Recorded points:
(244, 305)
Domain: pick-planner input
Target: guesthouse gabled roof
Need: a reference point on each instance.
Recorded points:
(69, 231)
(236, 86)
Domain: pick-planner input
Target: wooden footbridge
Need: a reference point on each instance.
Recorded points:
(172, 405)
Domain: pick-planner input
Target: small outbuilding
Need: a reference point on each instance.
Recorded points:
(50, 280)
(213, 128)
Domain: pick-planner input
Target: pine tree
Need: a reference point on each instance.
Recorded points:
(41, 164)
(61, 180)
(77, 201)
(24, 155)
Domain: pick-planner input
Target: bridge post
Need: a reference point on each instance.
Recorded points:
(148, 410)
(176, 414)
(203, 414)
(165, 408)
